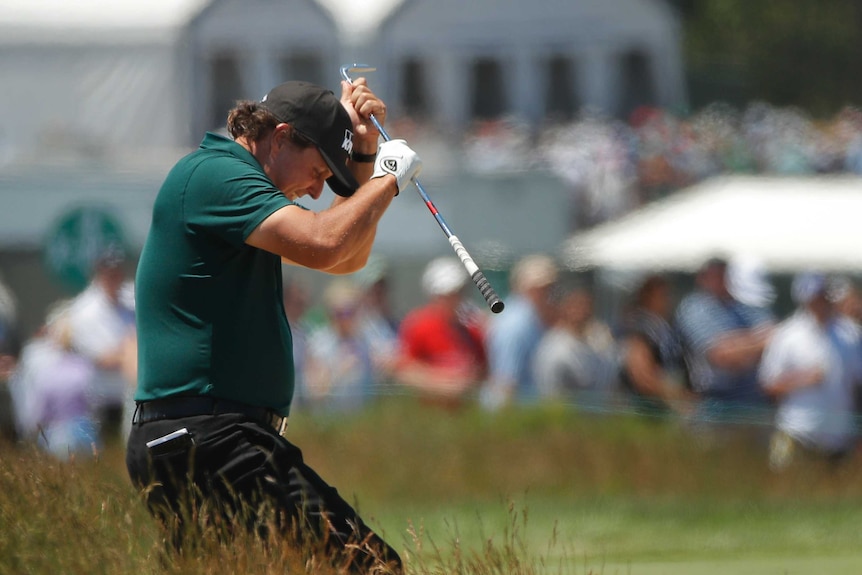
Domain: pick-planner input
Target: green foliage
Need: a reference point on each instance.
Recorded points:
(804, 53)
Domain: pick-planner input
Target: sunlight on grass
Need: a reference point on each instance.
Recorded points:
(532, 492)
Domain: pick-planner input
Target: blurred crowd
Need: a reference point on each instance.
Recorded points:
(68, 387)
(612, 166)
(715, 357)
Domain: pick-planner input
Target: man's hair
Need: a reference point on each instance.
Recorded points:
(250, 120)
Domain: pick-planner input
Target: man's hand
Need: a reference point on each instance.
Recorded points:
(360, 102)
(396, 158)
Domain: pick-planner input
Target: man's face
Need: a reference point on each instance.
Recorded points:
(112, 279)
(296, 171)
(713, 280)
(541, 296)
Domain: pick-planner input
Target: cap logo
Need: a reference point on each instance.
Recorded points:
(347, 144)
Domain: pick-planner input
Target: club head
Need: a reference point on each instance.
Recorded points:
(346, 71)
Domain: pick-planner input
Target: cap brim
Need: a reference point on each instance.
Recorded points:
(342, 181)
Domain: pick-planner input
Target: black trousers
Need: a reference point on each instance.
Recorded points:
(246, 474)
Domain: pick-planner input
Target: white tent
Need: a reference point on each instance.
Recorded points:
(91, 78)
(788, 223)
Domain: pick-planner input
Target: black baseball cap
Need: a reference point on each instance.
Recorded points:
(318, 115)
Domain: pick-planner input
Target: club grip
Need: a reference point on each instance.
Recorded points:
(487, 291)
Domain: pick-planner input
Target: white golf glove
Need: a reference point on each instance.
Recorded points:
(395, 157)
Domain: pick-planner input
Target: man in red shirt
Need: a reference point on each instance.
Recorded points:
(442, 347)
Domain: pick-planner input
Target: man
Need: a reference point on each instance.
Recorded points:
(442, 347)
(377, 319)
(653, 368)
(575, 358)
(339, 372)
(9, 351)
(102, 324)
(216, 371)
(812, 367)
(514, 336)
(725, 324)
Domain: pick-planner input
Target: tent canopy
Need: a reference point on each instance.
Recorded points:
(61, 16)
(789, 224)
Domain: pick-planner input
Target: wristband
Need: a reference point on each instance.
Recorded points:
(363, 158)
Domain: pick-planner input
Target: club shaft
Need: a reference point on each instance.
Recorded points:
(417, 183)
(485, 288)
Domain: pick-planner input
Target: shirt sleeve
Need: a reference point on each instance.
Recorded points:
(793, 347)
(408, 338)
(508, 351)
(230, 199)
(774, 360)
(700, 323)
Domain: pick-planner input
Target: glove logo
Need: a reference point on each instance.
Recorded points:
(390, 164)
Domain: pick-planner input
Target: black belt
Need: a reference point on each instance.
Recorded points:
(178, 407)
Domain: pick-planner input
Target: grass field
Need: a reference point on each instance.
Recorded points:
(545, 490)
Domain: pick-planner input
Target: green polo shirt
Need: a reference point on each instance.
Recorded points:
(209, 308)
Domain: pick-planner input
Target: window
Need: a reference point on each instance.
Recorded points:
(488, 98)
(413, 89)
(225, 88)
(304, 66)
(561, 101)
(637, 82)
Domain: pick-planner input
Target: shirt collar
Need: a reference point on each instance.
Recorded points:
(214, 141)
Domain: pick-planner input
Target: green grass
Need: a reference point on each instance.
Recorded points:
(544, 490)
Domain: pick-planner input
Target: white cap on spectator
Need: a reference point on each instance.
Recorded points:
(341, 293)
(747, 281)
(443, 276)
(533, 271)
(806, 286)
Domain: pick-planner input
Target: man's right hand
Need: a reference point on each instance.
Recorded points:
(396, 158)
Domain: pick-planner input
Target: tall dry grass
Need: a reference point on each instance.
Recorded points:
(399, 457)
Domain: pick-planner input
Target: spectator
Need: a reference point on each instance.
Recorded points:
(9, 349)
(102, 323)
(811, 367)
(296, 299)
(442, 348)
(848, 304)
(725, 324)
(514, 335)
(339, 371)
(576, 357)
(653, 367)
(378, 321)
(51, 388)
(848, 299)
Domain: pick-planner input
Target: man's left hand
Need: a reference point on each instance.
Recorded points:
(360, 102)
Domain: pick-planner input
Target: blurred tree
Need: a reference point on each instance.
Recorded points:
(805, 53)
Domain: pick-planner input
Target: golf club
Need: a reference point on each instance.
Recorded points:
(485, 288)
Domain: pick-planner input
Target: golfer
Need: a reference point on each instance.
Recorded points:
(216, 372)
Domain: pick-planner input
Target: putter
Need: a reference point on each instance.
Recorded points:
(494, 302)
